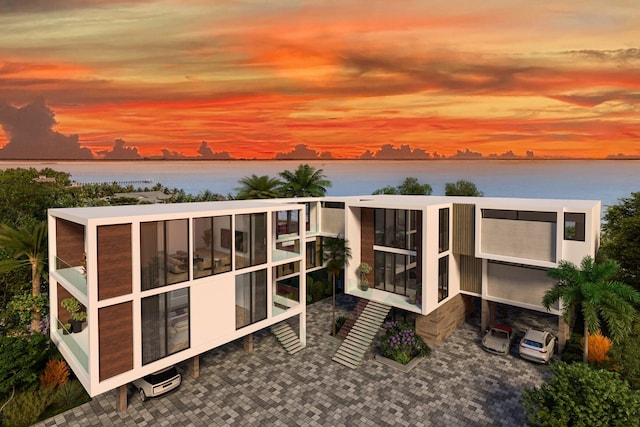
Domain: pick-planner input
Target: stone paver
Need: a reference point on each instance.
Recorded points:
(458, 385)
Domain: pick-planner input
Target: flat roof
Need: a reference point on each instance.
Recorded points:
(383, 200)
(104, 212)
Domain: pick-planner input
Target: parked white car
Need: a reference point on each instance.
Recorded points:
(158, 383)
(537, 346)
(498, 339)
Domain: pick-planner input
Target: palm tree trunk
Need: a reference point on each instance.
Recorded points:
(333, 314)
(35, 291)
(585, 352)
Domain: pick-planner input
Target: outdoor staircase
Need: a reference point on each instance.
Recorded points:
(351, 320)
(352, 350)
(287, 337)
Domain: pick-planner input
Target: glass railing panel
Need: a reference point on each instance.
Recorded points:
(77, 343)
(282, 303)
(75, 275)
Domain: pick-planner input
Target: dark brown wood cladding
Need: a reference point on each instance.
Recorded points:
(69, 242)
(419, 249)
(115, 331)
(367, 238)
(464, 229)
(63, 315)
(114, 261)
(471, 274)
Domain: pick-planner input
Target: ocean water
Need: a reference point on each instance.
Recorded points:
(605, 180)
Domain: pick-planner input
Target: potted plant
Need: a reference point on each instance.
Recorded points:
(78, 315)
(363, 270)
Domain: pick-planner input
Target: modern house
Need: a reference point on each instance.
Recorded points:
(164, 283)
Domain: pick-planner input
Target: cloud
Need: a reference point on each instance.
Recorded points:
(467, 154)
(121, 152)
(207, 153)
(31, 136)
(389, 152)
(40, 6)
(172, 155)
(299, 152)
(630, 54)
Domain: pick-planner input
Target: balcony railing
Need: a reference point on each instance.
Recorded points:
(77, 343)
(75, 275)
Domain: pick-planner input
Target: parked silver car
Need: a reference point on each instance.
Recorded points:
(498, 339)
(158, 383)
(537, 346)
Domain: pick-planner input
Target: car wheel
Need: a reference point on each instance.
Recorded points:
(143, 395)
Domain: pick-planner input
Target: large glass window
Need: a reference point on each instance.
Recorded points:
(574, 225)
(251, 239)
(519, 215)
(287, 223)
(164, 253)
(395, 228)
(443, 278)
(165, 324)
(313, 253)
(395, 273)
(443, 233)
(251, 298)
(212, 245)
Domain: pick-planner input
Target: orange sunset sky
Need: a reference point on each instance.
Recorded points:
(251, 79)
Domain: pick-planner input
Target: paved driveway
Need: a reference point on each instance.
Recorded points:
(459, 385)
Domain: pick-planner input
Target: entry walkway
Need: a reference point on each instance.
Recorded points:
(459, 385)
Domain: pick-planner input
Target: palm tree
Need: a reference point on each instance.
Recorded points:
(258, 187)
(304, 182)
(28, 247)
(336, 253)
(590, 289)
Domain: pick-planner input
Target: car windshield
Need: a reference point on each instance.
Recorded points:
(533, 343)
(499, 334)
(162, 376)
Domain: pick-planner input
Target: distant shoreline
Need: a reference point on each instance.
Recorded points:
(44, 161)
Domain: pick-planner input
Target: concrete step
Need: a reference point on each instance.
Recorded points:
(361, 334)
(287, 337)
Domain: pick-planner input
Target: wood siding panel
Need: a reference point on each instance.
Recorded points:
(115, 330)
(367, 238)
(435, 327)
(114, 261)
(471, 274)
(464, 229)
(63, 315)
(69, 242)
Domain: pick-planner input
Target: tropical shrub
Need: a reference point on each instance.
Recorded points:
(56, 374)
(340, 322)
(580, 395)
(69, 394)
(599, 347)
(573, 349)
(26, 407)
(626, 356)
(21, 360)
(401, 343)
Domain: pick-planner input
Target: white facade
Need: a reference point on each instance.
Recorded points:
(199, 288)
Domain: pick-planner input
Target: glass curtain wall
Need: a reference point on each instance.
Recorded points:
(164, 253)
(251, 240)
(165, 324)
(251, 298)
(395, 268)
(212, 245)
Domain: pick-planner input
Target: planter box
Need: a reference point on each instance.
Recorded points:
(399, 366)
